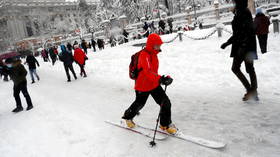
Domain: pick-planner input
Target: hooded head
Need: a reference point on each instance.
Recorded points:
(153, 41)
(259, 11)
(63, 48)
(240, 4)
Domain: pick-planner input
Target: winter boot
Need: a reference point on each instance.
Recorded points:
(130, 123)
(32, 82)
(253, 94)
(29, 108)
(171, 129)
(18, 109)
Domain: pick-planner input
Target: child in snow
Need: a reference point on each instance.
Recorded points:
(148, 83)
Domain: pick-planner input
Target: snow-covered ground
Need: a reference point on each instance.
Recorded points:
(68, 118)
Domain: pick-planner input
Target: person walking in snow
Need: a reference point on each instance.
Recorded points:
(69, 47)
(93, 43)
(84, 46)
(148, 83)
(125, 34)
(53, 54)
(146, 29)
(80, 58)
(244, 48)
(18, 73)
(67, 58)
(161, 25)
(32, 62)
(45, 55)
(100, 44)
(261, 24)
(170, 24)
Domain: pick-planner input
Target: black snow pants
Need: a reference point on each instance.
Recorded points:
(22, 87)
(263, 42)
(161, 99)
(249, 65)
(68, 67)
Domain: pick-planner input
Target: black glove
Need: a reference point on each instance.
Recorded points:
(224, 45)
(165, 80)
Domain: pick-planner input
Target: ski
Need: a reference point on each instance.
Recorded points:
(193, 139)
(139, 130)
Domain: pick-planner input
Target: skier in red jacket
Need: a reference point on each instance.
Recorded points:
(80, 58)
(148, 83)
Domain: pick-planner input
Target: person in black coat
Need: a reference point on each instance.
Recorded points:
(67, 58)
(32, 62)
(93, 44)
(53, 54)
(146, 29)
(161, 25)
(244, 49)
(170, 24)
(84, 46)
(69, 47)
(18, 73)
(125, 34)
(2, 73)
(100, 44)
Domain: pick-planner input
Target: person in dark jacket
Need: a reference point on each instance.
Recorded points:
(170, 24)
(32, 62)
(100, 44)
(84, 46)
(67, 58)
(69, 47)
(45, 55)
(146, 29)
(18, 73)
(53, 55)
(261, 24)
(161, 25)
(125, 34)
(93, 44)
(244, 49)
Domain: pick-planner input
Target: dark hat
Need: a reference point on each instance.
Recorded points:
(241, 4)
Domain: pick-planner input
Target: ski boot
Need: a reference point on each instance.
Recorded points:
(171, 129)
(130, 123)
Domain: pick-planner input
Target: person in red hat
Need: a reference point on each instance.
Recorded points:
(148, 82)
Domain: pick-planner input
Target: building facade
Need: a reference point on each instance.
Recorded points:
(30, 18)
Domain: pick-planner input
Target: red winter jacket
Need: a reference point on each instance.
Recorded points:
(79, 56)
(148, 77)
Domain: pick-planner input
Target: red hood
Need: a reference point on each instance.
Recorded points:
(153, 39)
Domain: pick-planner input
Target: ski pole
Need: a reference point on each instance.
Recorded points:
(153, 143)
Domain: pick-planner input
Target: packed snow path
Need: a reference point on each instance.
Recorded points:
(68, 118)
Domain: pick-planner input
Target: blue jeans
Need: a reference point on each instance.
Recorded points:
(33, 72)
